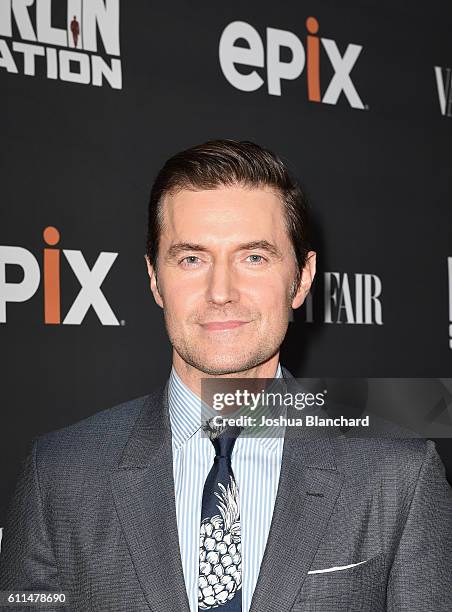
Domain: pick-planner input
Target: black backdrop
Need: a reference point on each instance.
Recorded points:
(81, 157)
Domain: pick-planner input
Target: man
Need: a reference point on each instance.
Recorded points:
(134, 509)
(75, 29)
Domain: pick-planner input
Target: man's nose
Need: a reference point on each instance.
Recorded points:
(221, 286)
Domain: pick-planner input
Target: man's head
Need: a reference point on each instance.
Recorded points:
(227, 254)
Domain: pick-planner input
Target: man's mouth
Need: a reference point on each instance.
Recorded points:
(223, 325)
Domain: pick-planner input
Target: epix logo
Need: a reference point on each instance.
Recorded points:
(90, 279)
(258, 54)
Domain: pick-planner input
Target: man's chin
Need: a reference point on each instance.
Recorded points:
(225, 366)
(221, 371)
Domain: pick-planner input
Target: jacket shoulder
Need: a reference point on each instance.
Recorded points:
(389, 460)
(96, 440)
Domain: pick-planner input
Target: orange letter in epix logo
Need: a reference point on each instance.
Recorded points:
(313, 71)
(52, 277)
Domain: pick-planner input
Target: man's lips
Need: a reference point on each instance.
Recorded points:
(223, 325)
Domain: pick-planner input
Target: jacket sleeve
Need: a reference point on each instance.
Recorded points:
(421, 574)
(27, 561)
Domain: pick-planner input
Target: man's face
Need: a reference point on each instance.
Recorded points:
(225, 275)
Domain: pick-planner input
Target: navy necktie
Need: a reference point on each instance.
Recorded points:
(220, 553)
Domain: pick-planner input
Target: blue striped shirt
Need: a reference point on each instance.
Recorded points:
(256, 463)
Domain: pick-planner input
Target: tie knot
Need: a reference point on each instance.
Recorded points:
(224, 443)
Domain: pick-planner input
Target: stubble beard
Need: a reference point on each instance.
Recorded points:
(189, 351)
(242, 363)
(233, 363)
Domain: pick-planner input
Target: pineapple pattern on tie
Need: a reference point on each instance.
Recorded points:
(220, 549)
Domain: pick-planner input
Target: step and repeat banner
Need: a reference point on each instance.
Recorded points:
(356, 97)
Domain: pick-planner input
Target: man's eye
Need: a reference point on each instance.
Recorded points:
(256, 259)
(190, 260)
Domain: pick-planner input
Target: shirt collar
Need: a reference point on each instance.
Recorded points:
(185, 411)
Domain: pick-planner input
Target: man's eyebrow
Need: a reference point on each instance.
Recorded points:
(181, 247)
(264, 245)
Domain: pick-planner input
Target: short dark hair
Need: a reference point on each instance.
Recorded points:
(220, 163)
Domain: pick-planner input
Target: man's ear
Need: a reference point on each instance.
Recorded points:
(153, 282)
(307, 276)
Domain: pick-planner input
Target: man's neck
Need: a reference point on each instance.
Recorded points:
(191, 376)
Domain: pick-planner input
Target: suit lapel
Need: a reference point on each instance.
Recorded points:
(143, 490)
(308, 488)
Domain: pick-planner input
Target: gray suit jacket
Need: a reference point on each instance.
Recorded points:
(94, 515)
